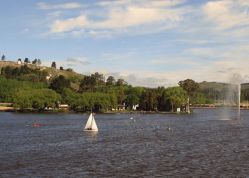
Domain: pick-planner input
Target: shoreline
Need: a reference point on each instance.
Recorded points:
(12, 109)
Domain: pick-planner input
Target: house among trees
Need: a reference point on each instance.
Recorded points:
(19, 61)
(134, 107)
(48, 76)
(121, 107)
(63, 106)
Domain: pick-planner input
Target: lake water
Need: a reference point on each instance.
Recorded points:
(206, 143)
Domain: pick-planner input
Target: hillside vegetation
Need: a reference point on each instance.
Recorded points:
(34, 87)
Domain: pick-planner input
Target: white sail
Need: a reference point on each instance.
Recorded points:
(91, 124)
(94, 125)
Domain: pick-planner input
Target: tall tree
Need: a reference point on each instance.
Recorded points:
(3, 57)
(26, 60)
(190, 86)
(39, 61)
(59, 83)
(174, 96)
(148, 100)
(121, 82)
(98, 78)
(131, 100)
(35, 61)
(53, 64)
(110, 80)
(88, 83)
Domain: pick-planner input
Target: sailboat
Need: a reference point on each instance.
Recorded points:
(91, 124)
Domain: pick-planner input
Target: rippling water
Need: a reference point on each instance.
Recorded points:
(200, 144)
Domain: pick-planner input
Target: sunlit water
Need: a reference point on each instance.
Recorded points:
(149, 145)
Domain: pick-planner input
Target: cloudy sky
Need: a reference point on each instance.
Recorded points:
(146, 42)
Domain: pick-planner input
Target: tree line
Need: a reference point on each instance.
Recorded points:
(28, 88)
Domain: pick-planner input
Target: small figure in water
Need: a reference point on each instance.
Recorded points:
(169, 129)
(131, 118)
(36, 124)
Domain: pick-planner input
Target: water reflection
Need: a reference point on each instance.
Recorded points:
(92, 135)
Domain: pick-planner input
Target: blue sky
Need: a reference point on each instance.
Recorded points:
(148, 43)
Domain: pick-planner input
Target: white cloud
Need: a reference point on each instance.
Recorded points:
(142, 3)
(227, 14)
(54, 14)
(135, 16)
(69, 24)
(174, 61)
(124, 16)
(46, 6)
(212, 43)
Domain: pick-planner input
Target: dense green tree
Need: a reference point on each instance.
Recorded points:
(36, 99)
(121, 95)
(200, 98)
(110, 80)
(133, 95)
(90, 83)
(175, 97)
(121, 82)
(24, 73)
(25, 70)
(159, 92)
(7, 71)
(9, 88)
(131, 100)
(98, 78)
(190, 86)
(148, 100)
(61, 68)
(89, 101)
(15, 72)
(87, 84)
(59, 83)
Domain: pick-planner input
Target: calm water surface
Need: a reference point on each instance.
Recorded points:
(206, 143)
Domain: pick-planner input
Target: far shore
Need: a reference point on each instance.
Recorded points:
(12, 109)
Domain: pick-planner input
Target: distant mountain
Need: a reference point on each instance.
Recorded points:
(219, 85)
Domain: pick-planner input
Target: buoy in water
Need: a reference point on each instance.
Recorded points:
(169, 129)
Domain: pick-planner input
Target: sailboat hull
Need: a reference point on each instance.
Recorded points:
(86, 130)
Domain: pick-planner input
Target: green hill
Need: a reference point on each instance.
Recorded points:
(54, 72)
(219, 91)
(50, 72)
